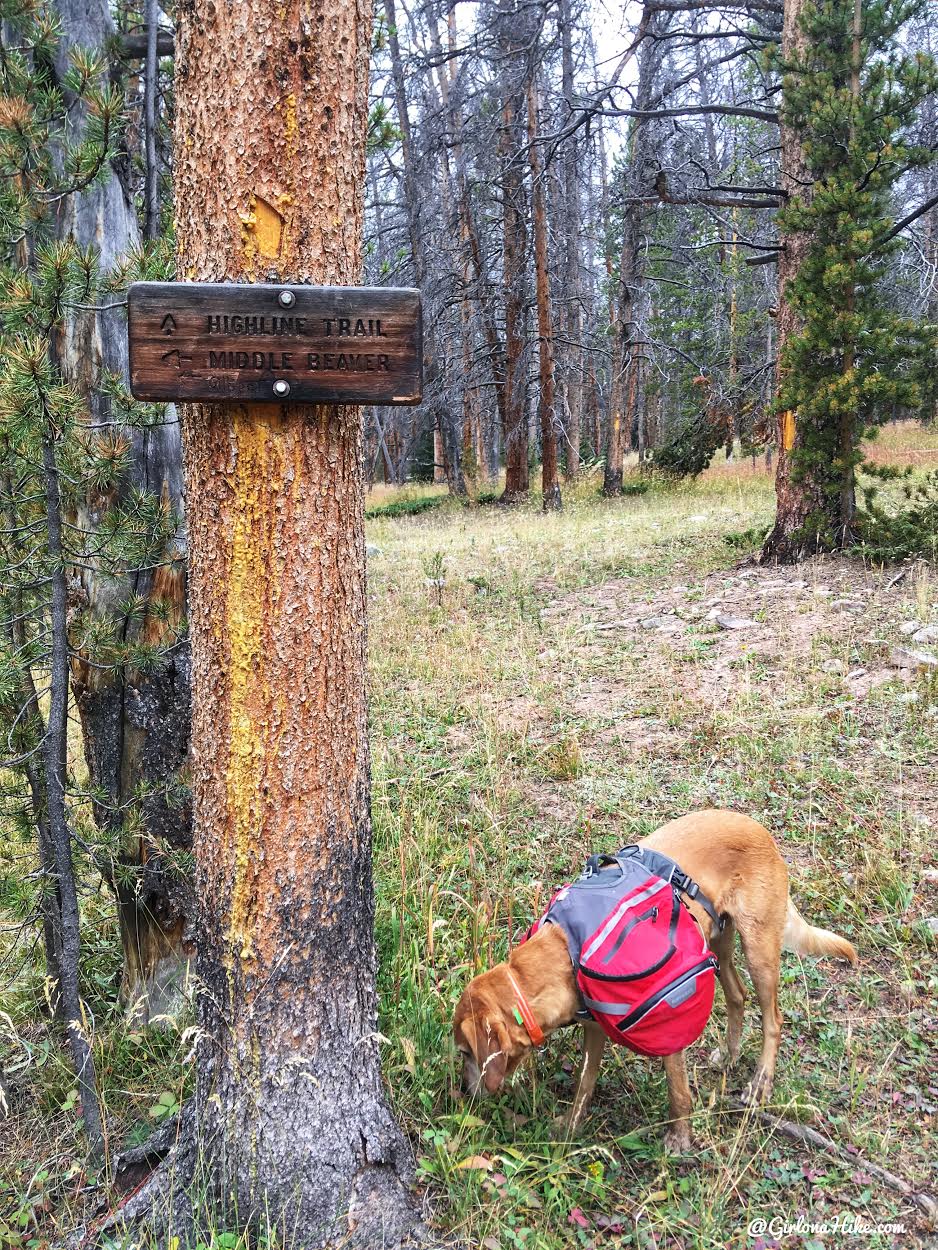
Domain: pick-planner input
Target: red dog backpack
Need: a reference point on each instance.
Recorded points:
(644, 970)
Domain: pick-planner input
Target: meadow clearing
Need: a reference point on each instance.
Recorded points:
(546, 686)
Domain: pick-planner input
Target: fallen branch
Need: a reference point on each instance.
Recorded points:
(811, 1137)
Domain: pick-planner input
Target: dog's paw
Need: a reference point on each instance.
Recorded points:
(678, 1139)
(721, 1059)
(758, 1090)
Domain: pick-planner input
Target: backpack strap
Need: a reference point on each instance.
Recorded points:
(664, 866)
(687, 885)
(599, 861)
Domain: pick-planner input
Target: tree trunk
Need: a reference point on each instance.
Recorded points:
(573, 366)
(547, 402)
(294, 1124)
(135, 726)
(50, 900)
(797, 497)
(447, 433)
(515, 246)
(627, 335)
(55, 770)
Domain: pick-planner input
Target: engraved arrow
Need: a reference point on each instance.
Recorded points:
(168, 324)
(180, 360)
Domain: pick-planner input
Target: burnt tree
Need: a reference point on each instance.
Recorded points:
(293, 1123)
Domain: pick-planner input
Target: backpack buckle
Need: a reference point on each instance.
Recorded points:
(685, 884)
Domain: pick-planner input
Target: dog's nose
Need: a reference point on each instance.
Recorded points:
(472, 1079)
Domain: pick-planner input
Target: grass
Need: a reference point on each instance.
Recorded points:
(522, 716)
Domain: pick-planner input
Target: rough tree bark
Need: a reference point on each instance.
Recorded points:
(135, 727)
(796, 497)
(293, 1122)
(547, 397)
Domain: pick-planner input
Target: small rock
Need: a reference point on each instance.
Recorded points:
(846, 605)
(930, 876)
(822, 591)
(733, 622)
(372, 549)
(698, 516)
(848, 879)
(928, 633)
(856, 673)
(909, 627)
(833, 666)
(905, 657)
(659, 622)
(932, 923)
(909, 696)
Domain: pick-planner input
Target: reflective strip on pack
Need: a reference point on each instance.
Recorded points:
(606, 1009)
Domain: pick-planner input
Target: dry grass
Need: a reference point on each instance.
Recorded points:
(530, 718)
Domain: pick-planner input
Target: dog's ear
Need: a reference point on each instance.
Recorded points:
(489, 1041)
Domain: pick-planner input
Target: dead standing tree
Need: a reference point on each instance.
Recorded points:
(292, 1125)
(627, 348)
(511, 22)
(135, 725)
(547, 397)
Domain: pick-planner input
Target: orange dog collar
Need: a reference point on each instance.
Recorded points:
(524, 1015)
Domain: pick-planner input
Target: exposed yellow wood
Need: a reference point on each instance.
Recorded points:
(787, 424)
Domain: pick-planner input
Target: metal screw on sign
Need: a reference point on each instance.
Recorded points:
(287, 300)
(281, 388)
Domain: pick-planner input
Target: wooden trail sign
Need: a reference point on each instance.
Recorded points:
(280, 343)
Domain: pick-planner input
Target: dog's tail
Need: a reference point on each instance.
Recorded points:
(805, 939)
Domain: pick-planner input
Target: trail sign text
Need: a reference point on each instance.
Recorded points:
(306, 344)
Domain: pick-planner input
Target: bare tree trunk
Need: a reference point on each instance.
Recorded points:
(135, 726)
(515, 246)
(295, 1129)
(469, 232)
(447, 460)
(627, 344)
(573, 363)
(547, 402)
(151, 193)
(55, 753)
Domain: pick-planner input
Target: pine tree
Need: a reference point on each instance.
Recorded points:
(53, 458)
(851, 93)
